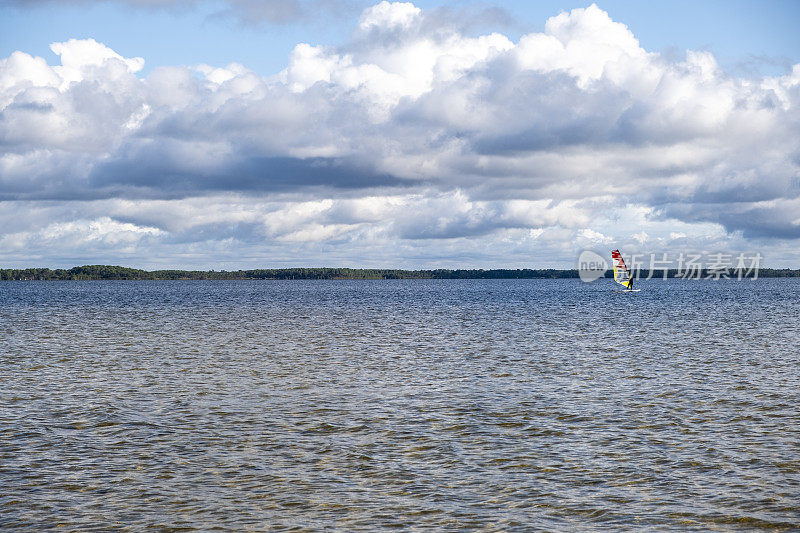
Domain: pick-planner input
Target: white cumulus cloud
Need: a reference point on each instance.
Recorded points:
(410, 138)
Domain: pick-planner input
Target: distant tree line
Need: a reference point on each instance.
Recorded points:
(110, 272)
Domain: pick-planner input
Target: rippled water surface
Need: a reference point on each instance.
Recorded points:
(445, 404)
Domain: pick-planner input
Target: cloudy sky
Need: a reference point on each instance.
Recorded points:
(237, 134)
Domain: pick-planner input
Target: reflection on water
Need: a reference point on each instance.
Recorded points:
(454, 404)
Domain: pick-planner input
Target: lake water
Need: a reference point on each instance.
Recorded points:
(365, 405)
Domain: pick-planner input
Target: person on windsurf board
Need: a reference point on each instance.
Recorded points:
(621, 273)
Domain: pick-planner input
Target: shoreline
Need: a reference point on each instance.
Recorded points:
(112, 272)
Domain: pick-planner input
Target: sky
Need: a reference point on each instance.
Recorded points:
(233, 134)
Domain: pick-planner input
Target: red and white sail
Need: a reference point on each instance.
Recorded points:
(621, 273)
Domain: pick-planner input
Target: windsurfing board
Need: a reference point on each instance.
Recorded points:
(622, 275)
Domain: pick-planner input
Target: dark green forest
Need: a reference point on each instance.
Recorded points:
(110, 272)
